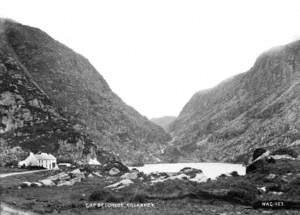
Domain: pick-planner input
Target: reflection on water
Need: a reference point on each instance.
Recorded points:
(211, 170)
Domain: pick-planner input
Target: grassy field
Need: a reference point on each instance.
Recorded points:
(9, 170)
(170, 198)
(226, 195)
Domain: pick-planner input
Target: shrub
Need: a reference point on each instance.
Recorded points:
(11, 164)
(241, 196)
(139, 196)
(35, 167)
(114, 198)
(293, 188)
(234, 173)
(258, 152)
(286, 151)
(100, 195)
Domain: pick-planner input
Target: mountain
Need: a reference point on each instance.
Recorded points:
(77, 93)
(164, 121)
(258, 108)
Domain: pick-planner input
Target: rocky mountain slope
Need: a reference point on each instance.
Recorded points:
(259, 108)
(78, 95)
(164, 121)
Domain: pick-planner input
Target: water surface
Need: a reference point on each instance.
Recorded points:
(211, 170)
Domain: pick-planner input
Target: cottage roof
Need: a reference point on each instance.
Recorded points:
(44, 156)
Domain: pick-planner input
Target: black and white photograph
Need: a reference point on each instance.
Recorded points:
(151, 107)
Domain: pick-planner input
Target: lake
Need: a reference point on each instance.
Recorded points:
(211, 170)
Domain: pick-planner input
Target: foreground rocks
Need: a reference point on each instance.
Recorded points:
(275, 181)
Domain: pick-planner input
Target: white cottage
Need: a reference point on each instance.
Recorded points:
(45, 160)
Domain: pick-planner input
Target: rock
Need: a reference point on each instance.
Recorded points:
(200, 177)
(93, 161)
(273, 188)
(234, 173)
(69, 183)
(77, 173)
(60, 176)
(284, 178)
(121, 167)
(132, 175)
(98, 174)
(259, 163)
(35, 103)
(254, 166)
(36, 184)
(65, 183)
(258, 152)
(25, 184)
(121, 184)
(190, 174)
(190, 171)
(114, 171)
(271, 176)
(286, 151)
(276, 193)
(262, 189)
(279, 157)
(47, 182)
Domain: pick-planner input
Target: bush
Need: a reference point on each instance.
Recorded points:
(258, 152)
(234, 173)
(35, 167)
(286, 151)
(242, 196)
(105, 195)
(100, 195)
(139, 196)
(114, 198)
(293, 188)
(11, 164)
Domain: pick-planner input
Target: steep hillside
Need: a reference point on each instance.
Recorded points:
(81, 95)
(29, 122)
(259, 108)
(164, 121)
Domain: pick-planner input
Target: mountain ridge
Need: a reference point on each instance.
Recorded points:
(257, 108)
(164, 121)
(82, 95)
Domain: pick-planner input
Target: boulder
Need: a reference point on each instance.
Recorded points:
(60, 176)
(65, 183)
(121, 184)
(76, 174)
(287, 152)
(94, 162)
(258, 152)
(114, 171)
(261, 158)
(132, 175)
(25, 184)
(97, 174)
(271, 176)
(121, 167)
(69, 183)
(36, 184)
(191, 172)
(47, 182)
(255, 166)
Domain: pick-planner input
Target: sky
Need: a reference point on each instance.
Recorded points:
(156, 54)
